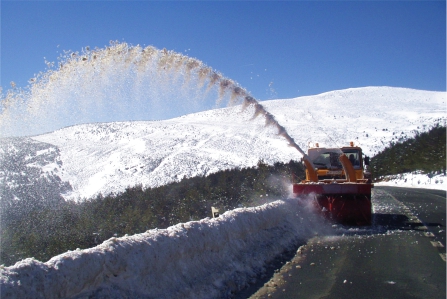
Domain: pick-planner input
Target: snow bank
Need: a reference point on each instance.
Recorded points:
(210, 258)
(415, 180)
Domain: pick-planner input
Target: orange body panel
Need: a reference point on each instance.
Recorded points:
(340, 190)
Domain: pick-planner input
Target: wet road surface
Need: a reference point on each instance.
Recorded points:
(402, 255)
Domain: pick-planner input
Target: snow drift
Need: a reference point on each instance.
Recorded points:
(211, 258)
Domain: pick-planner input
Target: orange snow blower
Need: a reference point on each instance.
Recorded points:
(339, 184)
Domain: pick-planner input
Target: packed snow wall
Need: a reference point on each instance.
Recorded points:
(210, 258)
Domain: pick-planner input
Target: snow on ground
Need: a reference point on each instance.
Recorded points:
(415, 180)
(372, 116)
(210, 258)
(108, 157)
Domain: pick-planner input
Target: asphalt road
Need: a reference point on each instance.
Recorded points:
(402, 255)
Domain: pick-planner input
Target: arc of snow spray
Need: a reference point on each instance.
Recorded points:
(92, 64)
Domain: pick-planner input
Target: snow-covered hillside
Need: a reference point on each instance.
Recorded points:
(372, 117)
(108, 157)
(210, 258)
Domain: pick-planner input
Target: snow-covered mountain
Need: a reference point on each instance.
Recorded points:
(82, 161)
(210, 258)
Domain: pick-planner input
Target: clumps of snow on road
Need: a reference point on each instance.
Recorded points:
(210, 258)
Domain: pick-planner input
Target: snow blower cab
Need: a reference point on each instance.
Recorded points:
(338, 182)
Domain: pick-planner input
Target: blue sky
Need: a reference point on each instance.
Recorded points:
(273, 49)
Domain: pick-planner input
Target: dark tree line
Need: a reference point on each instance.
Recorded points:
(49, 230)
(425, 152)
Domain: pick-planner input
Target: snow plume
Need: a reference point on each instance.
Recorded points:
(270, 121)
(210, 258)
(117, 83)
(120, 83)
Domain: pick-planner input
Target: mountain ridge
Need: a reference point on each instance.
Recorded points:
(108, 157)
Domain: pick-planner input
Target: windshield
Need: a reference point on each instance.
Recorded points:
(354, 156)
(328, 158)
